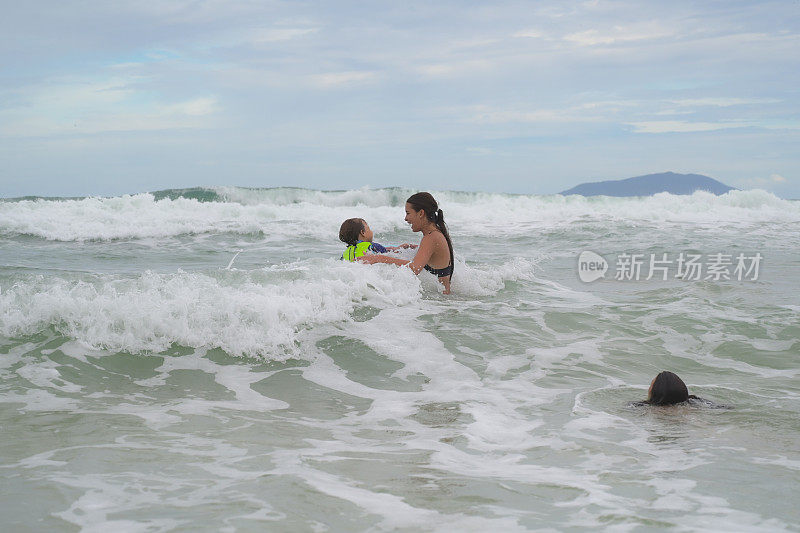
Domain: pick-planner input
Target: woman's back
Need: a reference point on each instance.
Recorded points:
(441, 252)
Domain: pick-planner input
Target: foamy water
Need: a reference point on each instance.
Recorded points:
(200, 359)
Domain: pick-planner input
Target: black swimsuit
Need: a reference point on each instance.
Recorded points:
(440, 272)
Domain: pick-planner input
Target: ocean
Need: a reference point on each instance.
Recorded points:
(201, 360)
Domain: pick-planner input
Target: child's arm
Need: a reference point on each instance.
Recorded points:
(398, 248)
(380, 249)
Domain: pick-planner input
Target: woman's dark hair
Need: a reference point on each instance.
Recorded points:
(350, 230)
(668, 389)
(424, 201)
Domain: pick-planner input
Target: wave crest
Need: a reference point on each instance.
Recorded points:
(244, 313)
(318, 213)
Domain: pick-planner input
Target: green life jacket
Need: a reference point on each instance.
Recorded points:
(359, 249)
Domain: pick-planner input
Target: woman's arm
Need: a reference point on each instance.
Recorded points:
(417, 264)
(372, 259)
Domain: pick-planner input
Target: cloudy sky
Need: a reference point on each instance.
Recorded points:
(524, 97)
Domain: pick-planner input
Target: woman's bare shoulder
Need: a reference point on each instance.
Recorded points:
(436, 238)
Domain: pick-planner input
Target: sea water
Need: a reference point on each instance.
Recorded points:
(201, 360)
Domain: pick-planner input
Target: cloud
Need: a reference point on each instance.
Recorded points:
(761, 181)
(259, 37)
(340, 79)
(530, 33)
(181, 115)
(487, 115)
(722, 102)
(590, 111)
(197, 107)
(476, 150)
(271, 35)
(497, 116)
(679, 126)
(94, 106)
(620, 34)
(453, 68)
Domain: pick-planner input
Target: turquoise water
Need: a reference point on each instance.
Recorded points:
(146, 386)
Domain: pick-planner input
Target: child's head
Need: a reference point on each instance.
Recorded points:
(666, 389)
(354, 230)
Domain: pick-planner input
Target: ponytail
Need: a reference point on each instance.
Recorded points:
(425, 201)
(443, 228)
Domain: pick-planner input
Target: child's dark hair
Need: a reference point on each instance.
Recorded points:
(425, 201)
(350, 230)
(668, 389)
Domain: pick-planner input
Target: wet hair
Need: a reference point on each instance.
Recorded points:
(424, 201)
(350, 231)
(668, 389)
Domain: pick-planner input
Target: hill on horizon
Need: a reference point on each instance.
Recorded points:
(651, 184)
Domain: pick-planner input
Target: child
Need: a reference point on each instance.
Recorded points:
(355, 233)
(668, 389)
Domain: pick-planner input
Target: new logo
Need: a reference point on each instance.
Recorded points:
(591, 266)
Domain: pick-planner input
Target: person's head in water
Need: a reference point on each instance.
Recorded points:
(667, 389)
(354, 230)
(421, 208)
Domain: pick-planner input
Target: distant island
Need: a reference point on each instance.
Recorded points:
(651, 184)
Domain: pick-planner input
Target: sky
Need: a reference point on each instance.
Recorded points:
(106, 98)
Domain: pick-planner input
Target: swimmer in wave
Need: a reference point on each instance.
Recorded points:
(668, 389)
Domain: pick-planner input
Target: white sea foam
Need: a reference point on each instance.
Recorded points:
(474, 281)
(300, 212)
(260, 312)
(141, 216)
(45, 374)
(243, 313)
(40, 400)
(363, 197)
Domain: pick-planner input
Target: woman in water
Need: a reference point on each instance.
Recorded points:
(435, 251)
